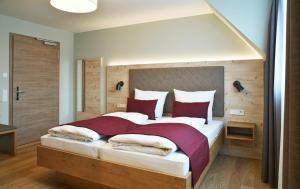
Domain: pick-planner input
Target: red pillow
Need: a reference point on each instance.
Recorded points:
(146, 107)
(190, 109)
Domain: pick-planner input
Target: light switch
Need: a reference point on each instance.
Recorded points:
(121, 105)
(4, 95)
(239, 112)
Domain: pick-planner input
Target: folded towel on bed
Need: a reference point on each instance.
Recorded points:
(143, 143)
(75, 133)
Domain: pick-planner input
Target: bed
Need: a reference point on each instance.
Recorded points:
(97, 164)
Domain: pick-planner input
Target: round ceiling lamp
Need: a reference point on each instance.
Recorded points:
(75, 6)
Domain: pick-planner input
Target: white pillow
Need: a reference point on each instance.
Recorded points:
(197, 96)
(135, 117)
(160, 96)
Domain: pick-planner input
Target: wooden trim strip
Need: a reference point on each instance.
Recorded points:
(11, 55)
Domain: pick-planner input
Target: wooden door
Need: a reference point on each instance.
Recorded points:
(34, 85)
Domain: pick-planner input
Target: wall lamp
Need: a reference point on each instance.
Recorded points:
(119, 85)
(237, 84)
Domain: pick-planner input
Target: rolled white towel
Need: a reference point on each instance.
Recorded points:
(148, 144)
(75, 133)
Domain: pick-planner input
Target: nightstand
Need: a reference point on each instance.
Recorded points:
(7, 139)
(245, 131)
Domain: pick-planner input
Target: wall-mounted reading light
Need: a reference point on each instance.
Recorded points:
(119, 85)
(237, 84)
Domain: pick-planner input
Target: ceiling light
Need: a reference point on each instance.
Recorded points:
(75, 6)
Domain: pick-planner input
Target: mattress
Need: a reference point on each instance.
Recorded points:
(89, 149)
(176, 163)
(212, 130)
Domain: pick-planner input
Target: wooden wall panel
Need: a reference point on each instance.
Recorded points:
(249, 72)
(92, 86)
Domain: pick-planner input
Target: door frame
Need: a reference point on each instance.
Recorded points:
(10, 74)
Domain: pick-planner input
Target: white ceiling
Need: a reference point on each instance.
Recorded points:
(110, 13)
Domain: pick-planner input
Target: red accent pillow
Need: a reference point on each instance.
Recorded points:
(190, 109)
(146, 107)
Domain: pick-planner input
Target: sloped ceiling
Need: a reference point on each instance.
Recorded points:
(250, 17)
(189, 39)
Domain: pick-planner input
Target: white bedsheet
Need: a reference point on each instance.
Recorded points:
(131, 116)
(210, 130)
(89, 149)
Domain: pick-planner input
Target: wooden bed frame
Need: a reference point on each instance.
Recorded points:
(82, 171)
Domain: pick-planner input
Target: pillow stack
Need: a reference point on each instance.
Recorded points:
(143, 102)
(197, 104)
(196, 97)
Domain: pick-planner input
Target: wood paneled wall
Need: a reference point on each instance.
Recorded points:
(88, 93)
(92, 86)
(249, 72)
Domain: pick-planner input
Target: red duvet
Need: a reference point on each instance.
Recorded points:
(189, 140)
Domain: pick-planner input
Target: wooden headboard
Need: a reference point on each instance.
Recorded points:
(184, 78)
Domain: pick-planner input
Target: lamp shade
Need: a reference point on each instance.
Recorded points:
(75, 6)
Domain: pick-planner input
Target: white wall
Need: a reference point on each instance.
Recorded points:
(189, 39)
(251, 17)
(66, 39)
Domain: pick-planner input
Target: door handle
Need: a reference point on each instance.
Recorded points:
(18, 92)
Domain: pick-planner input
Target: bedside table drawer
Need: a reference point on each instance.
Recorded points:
(240, 131)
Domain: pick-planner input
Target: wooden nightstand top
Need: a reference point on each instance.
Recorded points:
(6, 129)
(240, 124)
(7, 139)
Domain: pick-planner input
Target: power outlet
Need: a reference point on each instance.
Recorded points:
(238, 112)
(121, 105)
